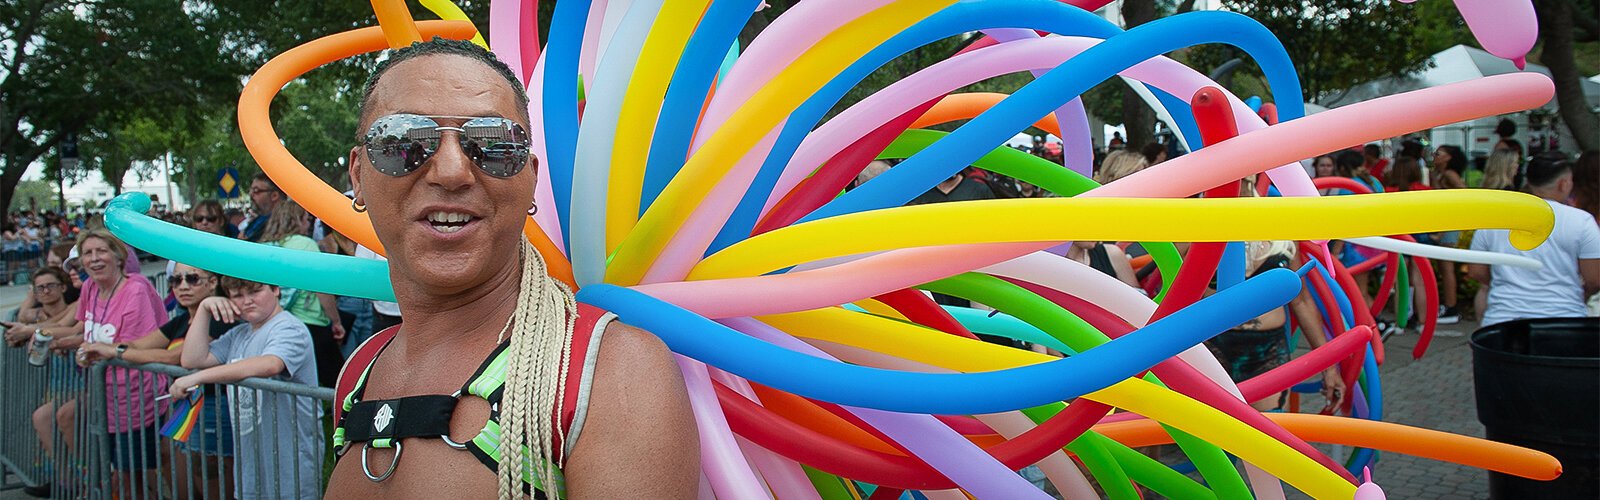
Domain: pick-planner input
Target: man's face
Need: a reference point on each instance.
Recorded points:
(264, 196)
(448, 225)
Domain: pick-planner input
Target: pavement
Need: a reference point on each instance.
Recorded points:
(1434, 392)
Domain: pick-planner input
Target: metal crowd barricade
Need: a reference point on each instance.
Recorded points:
(257, 438)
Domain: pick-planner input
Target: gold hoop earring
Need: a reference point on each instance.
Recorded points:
(357, 206)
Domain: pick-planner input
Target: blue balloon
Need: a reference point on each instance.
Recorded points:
(1231, 269)
(1254, 103)
(705, 340)
(1073, 77)
(320, 272)
(717, 35)
(561, 102)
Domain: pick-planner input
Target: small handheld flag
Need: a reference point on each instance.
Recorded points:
(185, 417)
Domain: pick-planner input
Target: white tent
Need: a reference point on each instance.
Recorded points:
(1457, 64)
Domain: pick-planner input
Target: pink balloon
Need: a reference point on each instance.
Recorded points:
(1505, 28)
(589, 50)
(783, 476)
(505, 37)
(724, 465)
(549, 216)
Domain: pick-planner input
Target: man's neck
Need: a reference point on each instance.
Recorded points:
(455, 321)
(1548, 194)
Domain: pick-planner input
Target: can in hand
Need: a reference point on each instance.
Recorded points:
(39, 348)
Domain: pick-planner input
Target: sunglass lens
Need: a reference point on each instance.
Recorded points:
(498, 145)
(399, 144)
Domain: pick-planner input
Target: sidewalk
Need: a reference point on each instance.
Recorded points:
(1435, 393)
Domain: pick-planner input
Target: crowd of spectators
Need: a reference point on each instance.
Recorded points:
(88, 302)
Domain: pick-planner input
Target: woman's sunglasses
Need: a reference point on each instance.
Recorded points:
(208, 218)
(399, 144)
(190, 279)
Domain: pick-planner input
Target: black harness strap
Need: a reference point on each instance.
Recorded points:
(411, 416)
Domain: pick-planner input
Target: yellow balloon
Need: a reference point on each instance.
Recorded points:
(1134, 219)
(924, 345)
(750, 123)
(636, 122)
(880, 309)
(448, 11)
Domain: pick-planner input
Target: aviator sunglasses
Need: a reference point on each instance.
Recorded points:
(399, 144)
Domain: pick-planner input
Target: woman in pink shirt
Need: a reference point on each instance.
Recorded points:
(118, 307)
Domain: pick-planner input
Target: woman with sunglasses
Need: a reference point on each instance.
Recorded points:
(214, 432)
(596, 409)
(52, 314)
(289, 227)
(207, 215)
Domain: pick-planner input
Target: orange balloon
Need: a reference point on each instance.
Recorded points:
(395, 19)
(1387, 436)
(255, 127)
(963, 106)
(1140, 261)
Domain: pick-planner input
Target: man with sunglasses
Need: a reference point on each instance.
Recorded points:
(264, 196)
(443, 170)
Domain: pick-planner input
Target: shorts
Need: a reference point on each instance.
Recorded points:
(135, 449)
(1449, 239)
(214, 435)
(66, 378)
(1247, 353)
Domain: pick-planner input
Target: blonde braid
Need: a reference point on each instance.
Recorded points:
(538, 357)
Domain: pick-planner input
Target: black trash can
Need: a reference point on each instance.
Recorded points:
(1538, 386)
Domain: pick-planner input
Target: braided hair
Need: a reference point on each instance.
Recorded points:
(539, 354)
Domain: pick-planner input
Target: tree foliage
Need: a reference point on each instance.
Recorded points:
(1337, 44)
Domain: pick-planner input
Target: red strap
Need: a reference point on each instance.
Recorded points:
(358, 362)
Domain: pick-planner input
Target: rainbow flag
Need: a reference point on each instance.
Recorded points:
(185, 417)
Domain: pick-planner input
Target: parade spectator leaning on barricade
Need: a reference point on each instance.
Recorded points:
(50, 315)
(288, 228)
(213, 434)
(278, 436)
(1569, 258)
(118, 307)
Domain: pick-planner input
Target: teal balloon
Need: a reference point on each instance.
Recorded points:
(320, 272)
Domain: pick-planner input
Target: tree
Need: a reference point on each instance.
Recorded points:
(1562, 25)
(1337, 44)
(87, 66)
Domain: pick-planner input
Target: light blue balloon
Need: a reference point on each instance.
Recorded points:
(587, 237)
(321, 272)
